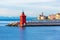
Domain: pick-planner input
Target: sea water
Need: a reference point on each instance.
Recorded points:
(29, 32)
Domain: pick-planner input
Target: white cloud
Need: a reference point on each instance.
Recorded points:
(13, 4)
(23, 1)
(26, 1)
(8, 12)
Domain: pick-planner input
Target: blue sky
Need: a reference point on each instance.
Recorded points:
(30, 7)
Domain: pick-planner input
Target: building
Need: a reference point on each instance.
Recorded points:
(58, 16)
(41, 17)
(52, 17)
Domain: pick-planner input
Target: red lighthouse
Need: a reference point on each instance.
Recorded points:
(22, 19)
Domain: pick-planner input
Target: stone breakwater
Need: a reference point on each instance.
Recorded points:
(35, 24)
(13, 24)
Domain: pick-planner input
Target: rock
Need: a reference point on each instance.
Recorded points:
(12, 24)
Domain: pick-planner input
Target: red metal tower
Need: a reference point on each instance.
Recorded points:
(22, 19)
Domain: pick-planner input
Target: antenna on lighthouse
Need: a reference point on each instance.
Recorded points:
(22, 10)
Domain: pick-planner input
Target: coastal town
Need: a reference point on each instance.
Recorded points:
(50, 17)
(23, 21)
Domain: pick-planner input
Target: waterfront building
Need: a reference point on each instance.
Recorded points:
(52, 17)
(41, 17)
(58, 16)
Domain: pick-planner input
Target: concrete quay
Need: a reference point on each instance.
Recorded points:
(36, 24)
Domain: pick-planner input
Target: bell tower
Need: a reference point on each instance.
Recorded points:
(22, 19)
